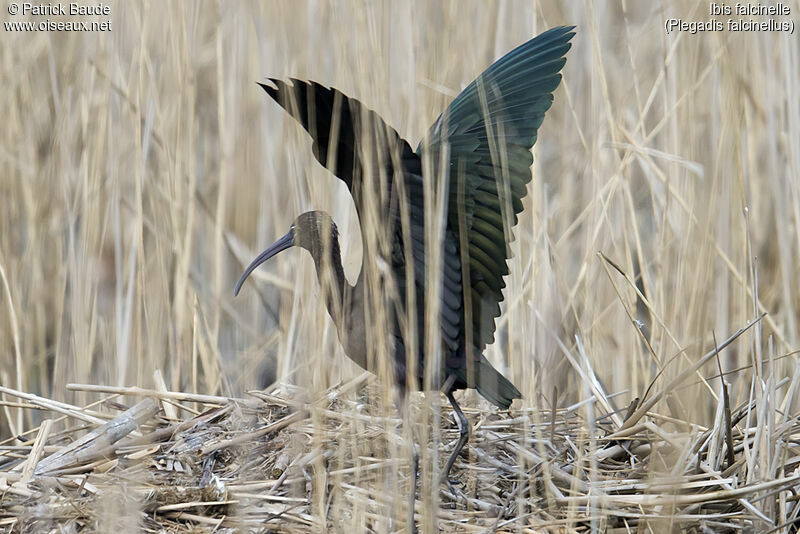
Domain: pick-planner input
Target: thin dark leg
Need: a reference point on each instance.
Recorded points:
(412, 526)
(463, 427)
(408, 432)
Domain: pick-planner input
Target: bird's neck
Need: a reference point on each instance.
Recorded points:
(331, 276)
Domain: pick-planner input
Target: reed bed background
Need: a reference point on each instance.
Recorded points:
(143, 167)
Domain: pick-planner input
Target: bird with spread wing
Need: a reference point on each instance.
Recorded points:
(481, 145)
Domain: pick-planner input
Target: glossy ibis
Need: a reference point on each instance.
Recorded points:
(481, 144)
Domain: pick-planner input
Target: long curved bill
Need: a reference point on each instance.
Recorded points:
(281, 244)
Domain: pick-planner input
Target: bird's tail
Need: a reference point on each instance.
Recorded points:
(494, 387)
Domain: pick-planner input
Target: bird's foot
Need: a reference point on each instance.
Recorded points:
(453, 484)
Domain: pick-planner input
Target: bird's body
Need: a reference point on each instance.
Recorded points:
(481, 146)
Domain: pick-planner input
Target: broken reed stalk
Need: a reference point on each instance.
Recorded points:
(89, 446)
(190, 475)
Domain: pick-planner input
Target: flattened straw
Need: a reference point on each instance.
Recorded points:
(163, 433)
(87, 447)
(141, 392)
(673, 500)
(249, 436)
(36, 452)
(55, 406)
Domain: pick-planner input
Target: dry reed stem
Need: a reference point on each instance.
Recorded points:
(142, 168)
(211, 471)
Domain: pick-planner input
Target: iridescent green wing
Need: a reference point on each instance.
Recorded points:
(488, 132)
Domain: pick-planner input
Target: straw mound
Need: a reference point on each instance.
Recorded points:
(266, 463)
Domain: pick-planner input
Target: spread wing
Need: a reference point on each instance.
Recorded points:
(354, 142)
(489, 130)
(347, 136)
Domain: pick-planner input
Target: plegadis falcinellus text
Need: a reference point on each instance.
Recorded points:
(484, 140)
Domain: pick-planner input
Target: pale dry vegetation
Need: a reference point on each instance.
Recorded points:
(143, 167)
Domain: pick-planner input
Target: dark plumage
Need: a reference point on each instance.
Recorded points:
(486, 134)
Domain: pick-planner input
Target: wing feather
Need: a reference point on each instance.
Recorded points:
(490, 128)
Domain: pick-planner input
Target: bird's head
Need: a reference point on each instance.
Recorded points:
(310, 230)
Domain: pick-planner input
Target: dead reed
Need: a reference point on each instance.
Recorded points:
(140, 168)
